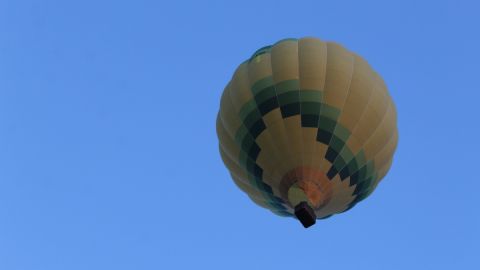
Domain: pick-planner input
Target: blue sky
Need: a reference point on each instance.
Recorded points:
(108, 151)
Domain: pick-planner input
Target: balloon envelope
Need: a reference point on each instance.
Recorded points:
(306, 128)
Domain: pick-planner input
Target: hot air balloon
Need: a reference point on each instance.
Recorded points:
(306, 128)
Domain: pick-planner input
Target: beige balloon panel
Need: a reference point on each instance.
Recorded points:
(231, 121)
(345, 81)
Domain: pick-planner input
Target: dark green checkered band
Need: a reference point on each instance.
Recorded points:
(314, 114)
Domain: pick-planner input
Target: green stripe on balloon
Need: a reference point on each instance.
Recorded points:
(330, 132)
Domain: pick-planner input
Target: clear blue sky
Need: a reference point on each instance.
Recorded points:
(108, 151)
